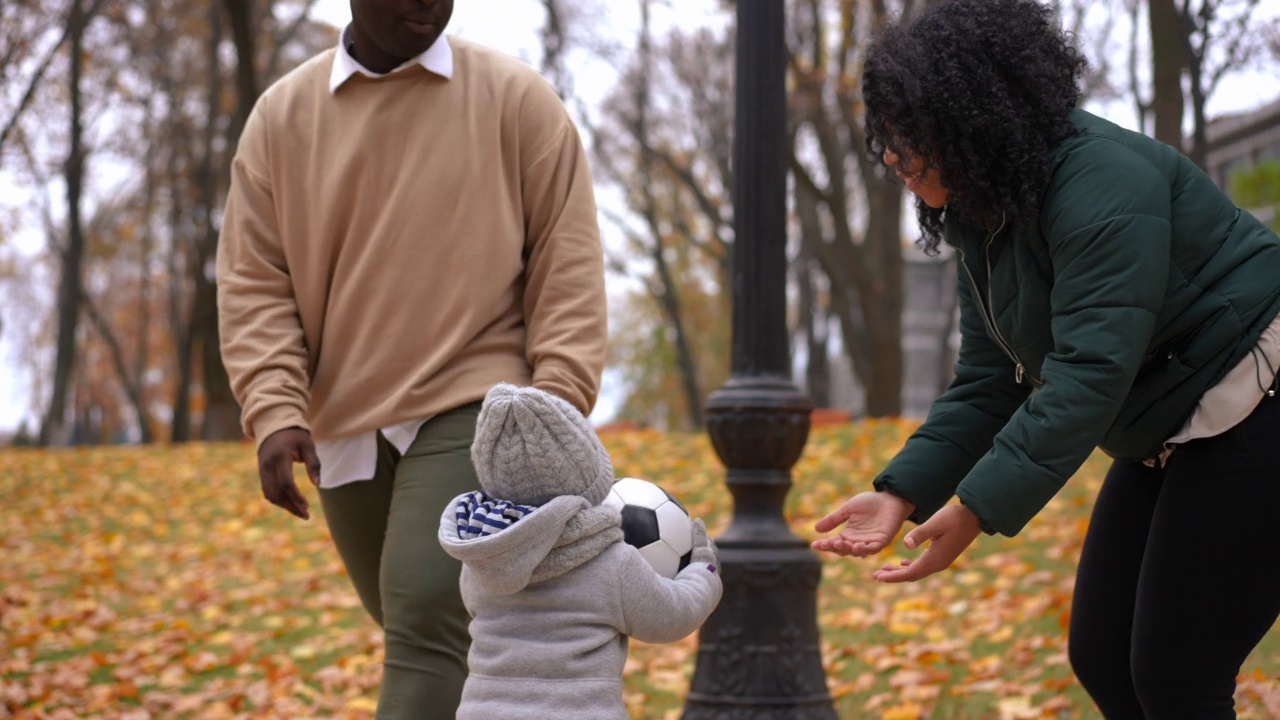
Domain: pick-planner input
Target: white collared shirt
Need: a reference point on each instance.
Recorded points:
(352, 459)
(437, 59)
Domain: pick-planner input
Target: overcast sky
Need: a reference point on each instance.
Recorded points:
(514, 30)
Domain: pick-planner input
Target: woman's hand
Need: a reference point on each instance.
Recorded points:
(873, 519)
(949, 532)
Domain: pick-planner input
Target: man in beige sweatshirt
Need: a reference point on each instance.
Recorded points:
(410, 222)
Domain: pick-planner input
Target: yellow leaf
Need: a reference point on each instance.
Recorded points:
(905, 711)
(935, 634)
(302, 652)
(901, 628)
(1017, 708)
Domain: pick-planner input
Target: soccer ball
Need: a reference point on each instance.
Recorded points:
(654, 523)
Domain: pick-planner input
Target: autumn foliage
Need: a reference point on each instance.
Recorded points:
(155, 582)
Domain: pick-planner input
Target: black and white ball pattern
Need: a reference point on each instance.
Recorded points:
(655, 523)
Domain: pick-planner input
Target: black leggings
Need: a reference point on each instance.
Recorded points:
(1179, 577)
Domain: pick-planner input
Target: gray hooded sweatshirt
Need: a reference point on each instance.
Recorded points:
(552, 589)
(553, 598)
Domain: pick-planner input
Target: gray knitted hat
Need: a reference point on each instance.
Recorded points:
(531, 446)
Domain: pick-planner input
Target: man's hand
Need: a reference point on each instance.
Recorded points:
(276, 457)
(873, 518)
(949, 532)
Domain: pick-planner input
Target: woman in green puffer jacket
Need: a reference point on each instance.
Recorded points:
(1111, 296)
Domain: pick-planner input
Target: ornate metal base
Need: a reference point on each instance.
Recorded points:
(758, 654)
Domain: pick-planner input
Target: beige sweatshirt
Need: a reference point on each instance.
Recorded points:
(395, 249)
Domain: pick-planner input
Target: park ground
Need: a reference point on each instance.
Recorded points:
(155, 583)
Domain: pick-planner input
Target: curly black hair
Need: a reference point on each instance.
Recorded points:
(981, 90)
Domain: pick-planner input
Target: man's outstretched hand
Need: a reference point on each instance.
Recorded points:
(276, 457)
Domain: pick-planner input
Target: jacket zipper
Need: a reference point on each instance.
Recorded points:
(988, 312)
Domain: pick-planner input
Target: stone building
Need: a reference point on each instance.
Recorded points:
(1240, 141)
(930, 335)
(930, 339)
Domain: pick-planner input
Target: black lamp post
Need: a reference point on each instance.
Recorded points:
(758, 654)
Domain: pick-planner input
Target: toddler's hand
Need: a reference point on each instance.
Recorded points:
(704, 548)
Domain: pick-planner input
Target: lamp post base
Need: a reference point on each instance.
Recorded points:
(758, 654)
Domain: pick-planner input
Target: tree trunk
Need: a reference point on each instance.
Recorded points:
(244, 35)
(844, 302)
(222, 412)
(70, 288)
(142, 351)
(1168, 58)
(880, 293)
(77, 18)
(813, 323)
(179, 322)
(1199, 95)
(818, 364)
(866, 274)
(684, 354)
(177, 256)
(196, 337)
(555, 45)
(1199, 134)
(951, 296)
(132, 390)
(1143, 107)
(670, 299)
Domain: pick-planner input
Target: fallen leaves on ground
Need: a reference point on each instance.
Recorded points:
(155, 582)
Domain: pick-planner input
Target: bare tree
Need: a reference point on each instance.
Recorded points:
(244, 33)
(130, 382)
(555, 46)
(222, 412)
(1168, 59)
(814, 325)
(142, 349)
(1073, 14)
(73, 28)
(855, 231)
(285, 37)
(159, 96)
(1194, 44)
(1221, 24)
(657, 197)
(53, 430)
(132, 386)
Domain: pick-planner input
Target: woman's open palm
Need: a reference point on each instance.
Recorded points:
(872, 519)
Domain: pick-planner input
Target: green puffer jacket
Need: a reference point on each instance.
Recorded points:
(1101, 326)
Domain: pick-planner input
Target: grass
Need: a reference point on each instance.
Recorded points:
(155, 582)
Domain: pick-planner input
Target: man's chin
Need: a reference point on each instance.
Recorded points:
(411, 45)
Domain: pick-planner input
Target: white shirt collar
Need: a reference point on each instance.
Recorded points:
(437, 59)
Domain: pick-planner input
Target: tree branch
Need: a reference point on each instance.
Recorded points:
(284, 38)
(67, 32)
(1238, 52)
(708, 207)
(132, 390)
